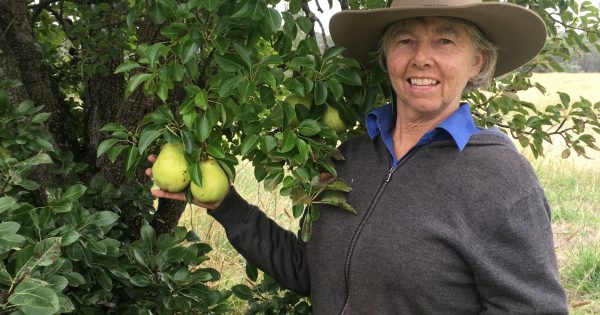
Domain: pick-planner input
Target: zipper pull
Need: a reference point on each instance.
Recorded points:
(389, 174)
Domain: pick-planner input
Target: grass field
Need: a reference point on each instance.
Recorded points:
(572, 186)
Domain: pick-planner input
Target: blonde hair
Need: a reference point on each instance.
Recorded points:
(480, 43)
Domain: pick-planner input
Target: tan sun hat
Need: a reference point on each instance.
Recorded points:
(518, 32)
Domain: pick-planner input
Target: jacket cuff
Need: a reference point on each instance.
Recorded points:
(232, 211)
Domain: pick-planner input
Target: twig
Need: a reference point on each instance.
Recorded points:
(571, 26)
(309, 14)
(344, 5)
(318, 6)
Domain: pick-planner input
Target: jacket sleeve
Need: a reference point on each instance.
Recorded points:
(264, 243)
(515, 269)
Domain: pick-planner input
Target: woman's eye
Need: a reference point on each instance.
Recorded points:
(445, 41)
(405, 41)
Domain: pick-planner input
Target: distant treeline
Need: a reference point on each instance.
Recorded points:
(586, 62)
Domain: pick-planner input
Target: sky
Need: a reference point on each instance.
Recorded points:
(323, 17)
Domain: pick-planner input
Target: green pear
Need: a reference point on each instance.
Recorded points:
(331, 118)
(170, 170)
(215, 183)
(295, 100)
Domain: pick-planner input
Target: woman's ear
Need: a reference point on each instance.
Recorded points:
(478, 63)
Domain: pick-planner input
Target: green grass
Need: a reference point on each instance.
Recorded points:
(572, 187)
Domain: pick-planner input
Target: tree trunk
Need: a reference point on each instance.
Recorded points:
(103, 102)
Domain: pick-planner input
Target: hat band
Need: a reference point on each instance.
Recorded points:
(431, 3)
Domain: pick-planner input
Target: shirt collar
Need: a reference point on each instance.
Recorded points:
(459, 125)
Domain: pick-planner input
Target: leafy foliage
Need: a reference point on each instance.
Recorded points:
(74, 253)
(215, 75)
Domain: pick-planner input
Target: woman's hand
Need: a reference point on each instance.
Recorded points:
(158, 193)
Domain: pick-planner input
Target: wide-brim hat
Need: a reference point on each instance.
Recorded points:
(518, 32)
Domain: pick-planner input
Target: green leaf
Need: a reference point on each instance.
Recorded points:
(336, 88)
(243, 292)
(249, 144)
(103, 218)
(189, 51)
(201, 99)
(348, 76)
(174, 30)
(309, 128)
(105, 146)
(289, 141)
(136, 80)
(61, 206)
(158, 13)
(40, 118)
(40, 158)
(196, 174)
(114, 152)
(132, 157)
(126, 66)
(32, 299)
(245, 53)
(111, 127)
(147, 138)
(246, 88)
(140, 280)
(43, 254)
(228, 84)
(251, 271)
(148, 235)
(565, 99)
(272, 60)
(338, 184)
(320, 92)
(230, 62)
(69, 237)
(9, 227)
(153, 53)
(216, 151)
(7, 203)
(297, 211)
(332, 52)
(265, 75)
(163, 91)
(189, 141)
(103, 279)
(74, 192)
(337, 199)
(273, 20)
(303, 61)
(140, 256)
(305, 24)
(204, 127)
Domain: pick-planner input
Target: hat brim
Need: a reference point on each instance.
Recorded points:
(519, 33)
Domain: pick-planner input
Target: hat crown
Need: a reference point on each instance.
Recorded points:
(431, 3)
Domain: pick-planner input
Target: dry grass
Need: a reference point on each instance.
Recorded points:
(572, 186)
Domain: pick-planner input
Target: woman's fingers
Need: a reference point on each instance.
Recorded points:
(165, 194)
(152, 158)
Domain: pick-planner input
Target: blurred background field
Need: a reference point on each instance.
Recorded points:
(572, 186)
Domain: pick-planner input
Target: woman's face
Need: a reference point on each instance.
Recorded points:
(429, 63)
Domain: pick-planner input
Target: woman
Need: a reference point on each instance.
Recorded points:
(451, 219)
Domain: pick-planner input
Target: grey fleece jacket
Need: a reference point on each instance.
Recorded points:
(446, 232)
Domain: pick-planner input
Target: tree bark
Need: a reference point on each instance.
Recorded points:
(19, 42)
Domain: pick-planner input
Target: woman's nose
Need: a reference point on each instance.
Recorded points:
(422, 55)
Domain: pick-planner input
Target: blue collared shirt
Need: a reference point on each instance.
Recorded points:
(459, 126)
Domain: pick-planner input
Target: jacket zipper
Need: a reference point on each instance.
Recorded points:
(363, 222)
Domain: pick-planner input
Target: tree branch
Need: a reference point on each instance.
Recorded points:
(565, 25)
(309, 14)
(344, 5)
